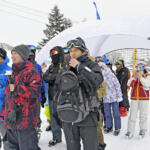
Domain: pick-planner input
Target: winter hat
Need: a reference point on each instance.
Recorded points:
(32, 48)
(57, 55)
(120, 63)
(3, 53)
(141, 62)
(78, 42)
(22, 50)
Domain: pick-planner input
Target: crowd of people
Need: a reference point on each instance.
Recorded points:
(82, 96)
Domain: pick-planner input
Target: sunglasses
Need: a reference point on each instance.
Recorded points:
(66, 51)
(53, 52)
(140, 67)
(76, 43)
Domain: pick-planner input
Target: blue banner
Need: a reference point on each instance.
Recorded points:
(97, 13)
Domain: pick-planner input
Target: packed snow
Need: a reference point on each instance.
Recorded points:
(113, 142)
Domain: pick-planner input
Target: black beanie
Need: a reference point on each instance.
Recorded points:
(3, 53)
(22, 50)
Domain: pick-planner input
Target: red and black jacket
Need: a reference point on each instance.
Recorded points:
(27, 89)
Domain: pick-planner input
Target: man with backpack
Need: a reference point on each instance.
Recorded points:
(77, 102)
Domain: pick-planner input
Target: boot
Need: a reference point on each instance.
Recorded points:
(129, 135)
(142, 133)
(48, 128)
(101, 146)
(53, 142)
(108, 130)
(116, 132)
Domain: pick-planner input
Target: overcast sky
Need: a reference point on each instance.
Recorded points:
(19, 24)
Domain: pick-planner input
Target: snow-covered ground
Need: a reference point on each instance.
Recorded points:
(113, 142)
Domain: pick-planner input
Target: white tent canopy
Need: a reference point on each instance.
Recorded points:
(102, 37)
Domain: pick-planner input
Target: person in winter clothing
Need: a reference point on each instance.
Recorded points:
(82, 66)
(112, 99)
(57, 56)
(4, 68)
(21, 99)
(101, 93)
(140, 84)
(42, 98)
(123, 74)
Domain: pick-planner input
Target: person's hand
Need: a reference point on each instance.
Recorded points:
(12, 87)
(73, 63)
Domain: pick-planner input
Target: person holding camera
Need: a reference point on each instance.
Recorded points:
(4, 68)
(140, 84)
(21, 99)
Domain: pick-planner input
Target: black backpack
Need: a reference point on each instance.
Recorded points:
(71, 105)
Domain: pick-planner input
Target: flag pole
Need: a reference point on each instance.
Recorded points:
(134, 59)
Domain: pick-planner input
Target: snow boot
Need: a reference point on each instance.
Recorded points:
(53, 142)
(129, 135)
(48, 128)
(108, 130)
(101, 146)
(116, 132)
(142, 134)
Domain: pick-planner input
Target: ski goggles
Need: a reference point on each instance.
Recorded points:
(140, 67)
(76, 43)
(66, 51)
(32, 48)
(53, 52)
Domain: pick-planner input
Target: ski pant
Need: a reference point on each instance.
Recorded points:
(74, 133)
(142, 107)
(116, 115)
(22, 139)
(39, 121)
(4, 135)
(99, 130)
(55, 126)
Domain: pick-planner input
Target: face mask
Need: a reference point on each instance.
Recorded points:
(31, 58)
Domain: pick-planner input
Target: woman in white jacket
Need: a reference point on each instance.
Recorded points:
(111, 100)
(140, 84)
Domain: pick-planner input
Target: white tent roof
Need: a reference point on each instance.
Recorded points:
(102, 37)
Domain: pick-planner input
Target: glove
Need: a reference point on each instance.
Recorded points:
(43, 99)
(12, 116)
(10, 80)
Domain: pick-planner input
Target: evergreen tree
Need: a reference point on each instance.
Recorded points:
(57, 23)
